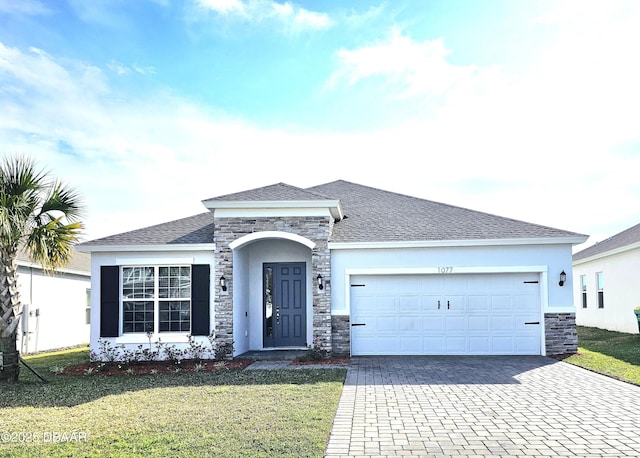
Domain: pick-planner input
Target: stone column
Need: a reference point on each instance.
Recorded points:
(561, 336)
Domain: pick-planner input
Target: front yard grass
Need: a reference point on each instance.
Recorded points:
(221, 414)
(616, 354)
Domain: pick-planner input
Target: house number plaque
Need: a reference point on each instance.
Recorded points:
(445, 270)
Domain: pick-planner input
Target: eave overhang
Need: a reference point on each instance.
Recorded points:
(131, 248)
(457, 243)
(333, 206)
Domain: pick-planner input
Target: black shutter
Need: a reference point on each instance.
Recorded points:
(200, 299)
(109, 301)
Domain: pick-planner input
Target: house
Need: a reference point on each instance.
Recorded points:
(607, 288)
(349, 268)
(55, 311)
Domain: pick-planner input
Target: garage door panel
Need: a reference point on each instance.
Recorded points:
(526, 345)
(456, 345)
(456, 284)
(501, 303)
(384, 324)
(455, 324)
(409, 324)
(478, 314)
(521, 326)
(386, 305)
(502, 345)
(433, 345)
(502, 323)
(432, 284)
(479, 324)
(454, 304)
(410, 303)
(409, 283)
(479, 345)
(410, 345)
(478, 284)
(526, 303)
(431, 303)
(478, 304)
(433, 324)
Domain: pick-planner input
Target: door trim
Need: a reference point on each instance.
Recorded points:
(270, 340)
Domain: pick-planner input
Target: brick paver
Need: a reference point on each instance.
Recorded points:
(471, 406)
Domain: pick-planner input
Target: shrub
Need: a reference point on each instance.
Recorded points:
(315, 352)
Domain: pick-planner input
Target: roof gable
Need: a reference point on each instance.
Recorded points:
(275, 192)
(279, 199)
(626, 238)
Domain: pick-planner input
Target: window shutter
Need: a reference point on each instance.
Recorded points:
(200, 299)
(109, 301)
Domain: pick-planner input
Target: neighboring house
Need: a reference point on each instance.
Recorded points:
(607, 286)
(349, 268)
(55, 306)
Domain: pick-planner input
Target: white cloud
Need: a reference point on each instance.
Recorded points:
(121, 69)
(27, 7)
(223, 6)
(292, 18)
(408, 68)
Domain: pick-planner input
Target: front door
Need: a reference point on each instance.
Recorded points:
(284, 311)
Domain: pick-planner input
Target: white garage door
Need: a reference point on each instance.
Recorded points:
(494, 314)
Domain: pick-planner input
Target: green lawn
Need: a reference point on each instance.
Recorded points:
(224, 414)
(616, 354)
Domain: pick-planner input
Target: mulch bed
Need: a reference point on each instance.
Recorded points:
(155, 367)
(170, 367)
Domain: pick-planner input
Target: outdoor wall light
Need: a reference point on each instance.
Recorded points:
(563, 278)
(223, 283)
(320, 285)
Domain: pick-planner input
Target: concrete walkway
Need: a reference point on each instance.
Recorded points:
(287, 364)
(483, 406)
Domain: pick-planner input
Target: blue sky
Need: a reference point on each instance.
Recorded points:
(522, 108)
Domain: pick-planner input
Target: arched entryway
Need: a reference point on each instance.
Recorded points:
(273, 291)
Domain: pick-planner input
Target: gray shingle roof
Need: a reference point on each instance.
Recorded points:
(371, 215)
(620, 240)
(375, 215)
(278, 191)
(191, 230)
(80, 262)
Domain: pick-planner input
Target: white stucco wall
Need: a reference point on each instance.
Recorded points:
(99, 259)
(555, 258)
(621, 292)
(54, 309)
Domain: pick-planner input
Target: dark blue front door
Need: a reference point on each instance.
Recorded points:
(284, 304)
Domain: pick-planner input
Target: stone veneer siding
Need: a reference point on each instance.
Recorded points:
(561, 336)
(341, 335)
(315, 228)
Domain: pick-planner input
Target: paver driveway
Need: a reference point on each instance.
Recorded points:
(483, 406)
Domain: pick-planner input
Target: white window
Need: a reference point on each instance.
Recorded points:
(87, 317)
(156, 299)
(600, 283)
(583, 282)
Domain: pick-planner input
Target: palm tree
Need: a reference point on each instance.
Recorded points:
(39, 214)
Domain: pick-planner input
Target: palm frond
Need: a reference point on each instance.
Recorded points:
(64, 200)
(38, 212)
(51, 244)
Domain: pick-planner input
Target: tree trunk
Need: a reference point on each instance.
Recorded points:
(9, 317)
(10, 368)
